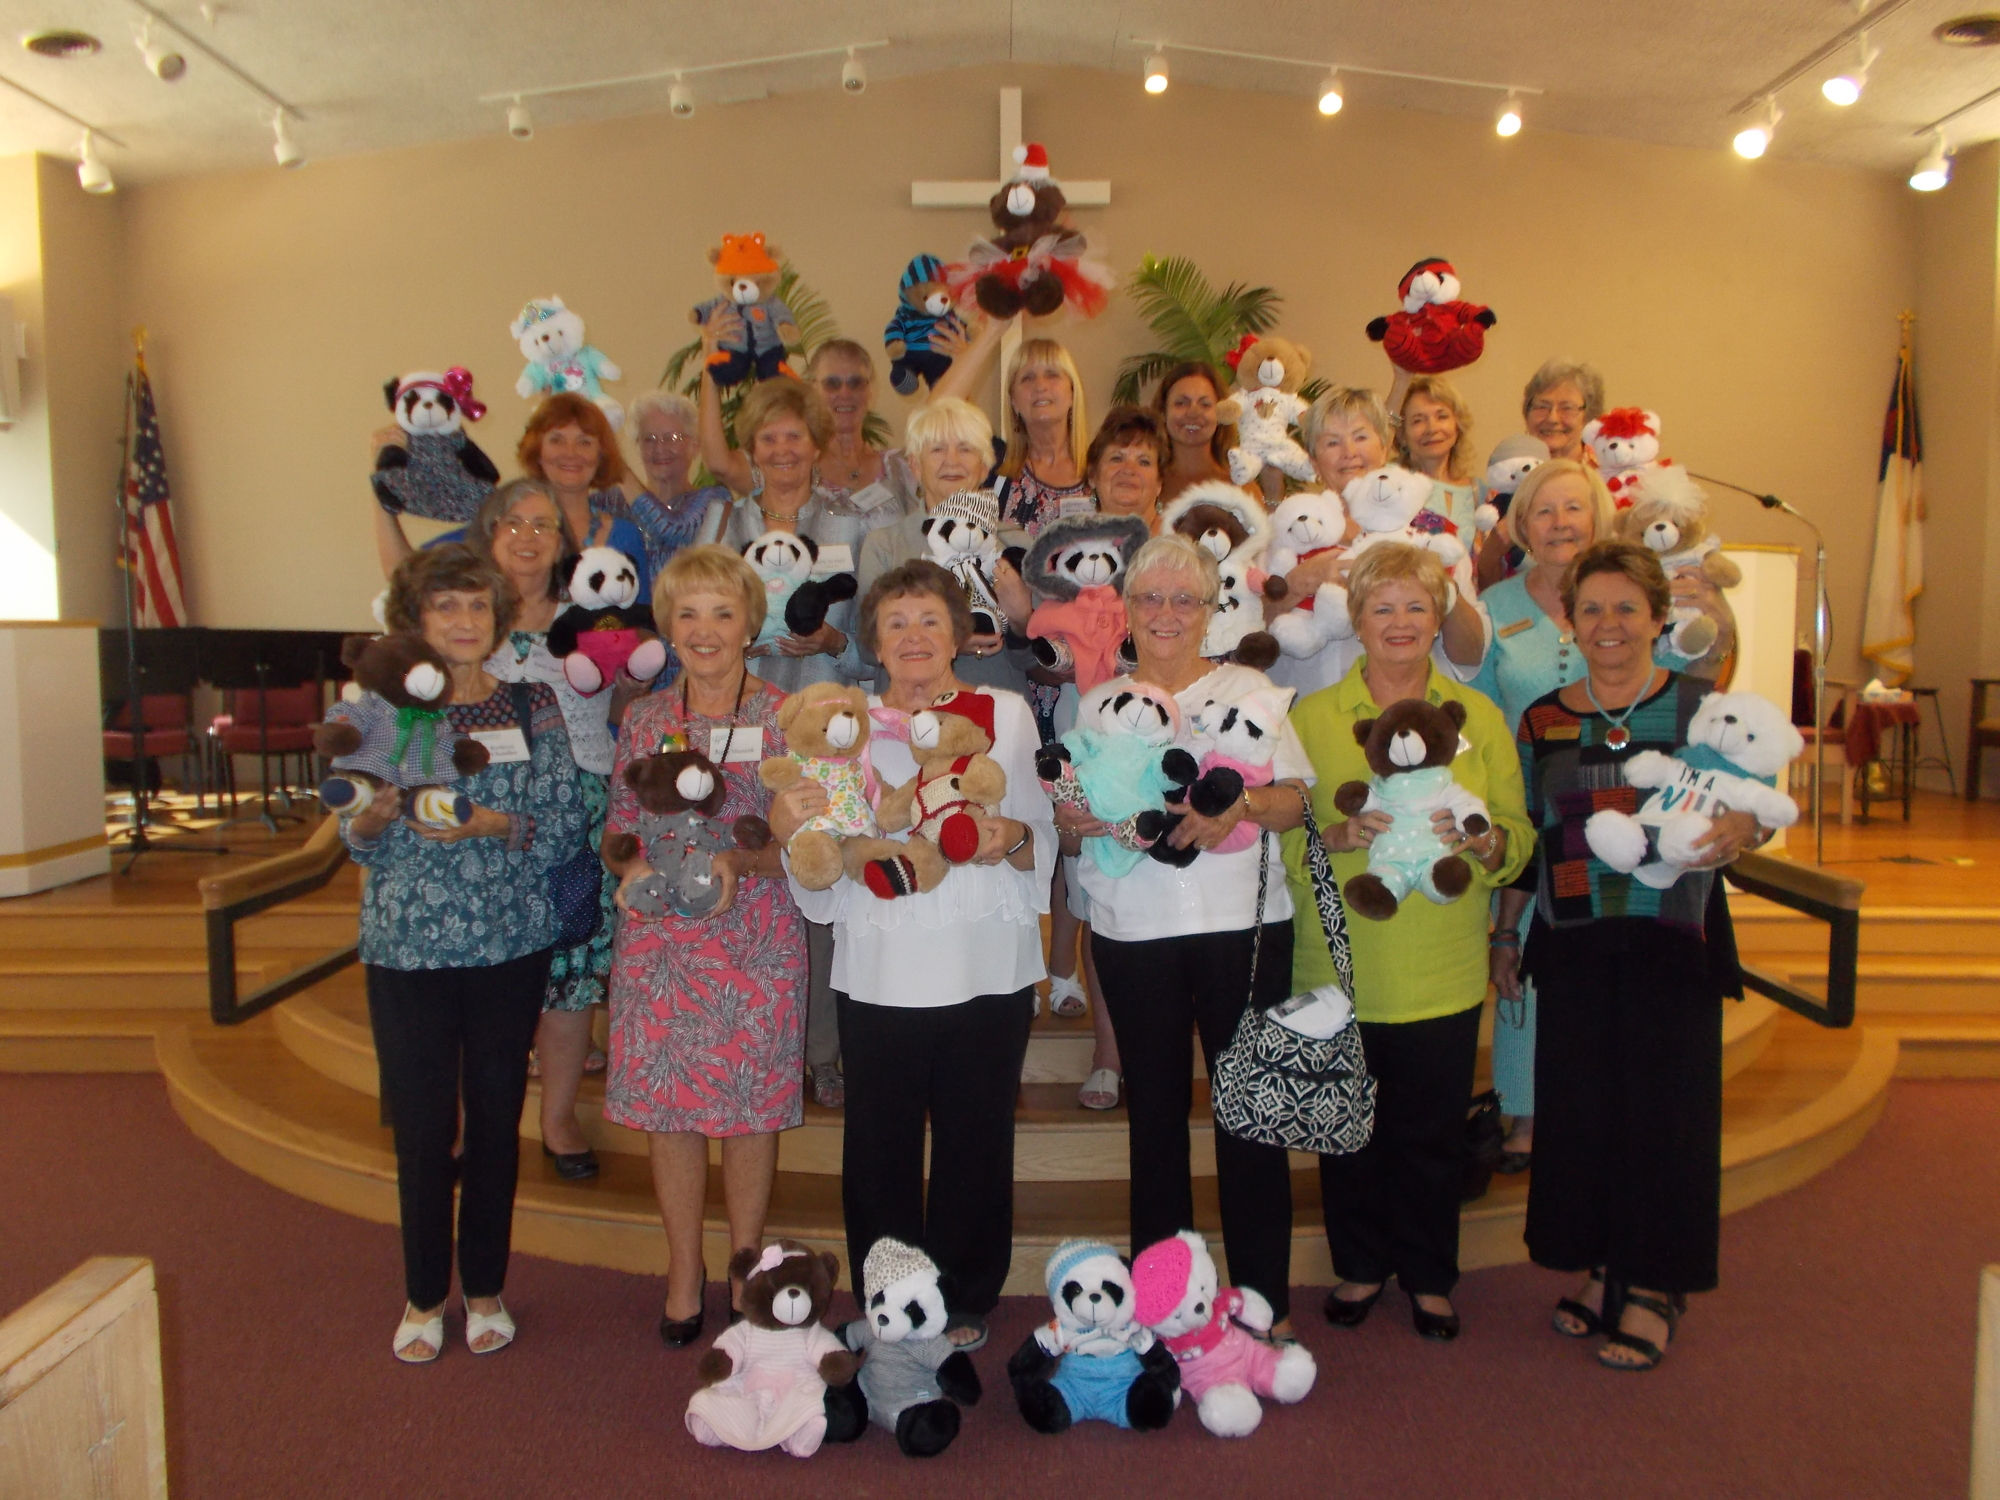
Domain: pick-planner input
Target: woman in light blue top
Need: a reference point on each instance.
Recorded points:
(1560, 509)
(1434, 437)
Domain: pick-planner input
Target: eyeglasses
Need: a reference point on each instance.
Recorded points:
(514, 527)
(1555, 409)
(665, 439)
(1182, 603)
(833, 384)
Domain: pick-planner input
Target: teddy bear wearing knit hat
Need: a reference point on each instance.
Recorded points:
(913, 1378)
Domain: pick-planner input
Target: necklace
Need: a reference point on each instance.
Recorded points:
(729, 739)
(1617, 737)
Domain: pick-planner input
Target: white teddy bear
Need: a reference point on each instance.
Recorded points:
(551, 340)
(1388, 504)
(1730, 733)
(1303, 527)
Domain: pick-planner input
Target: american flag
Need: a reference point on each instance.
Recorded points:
(149, 520)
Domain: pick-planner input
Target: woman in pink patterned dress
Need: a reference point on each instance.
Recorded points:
(708, 1013)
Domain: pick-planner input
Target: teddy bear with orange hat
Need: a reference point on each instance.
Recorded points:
(748, 270)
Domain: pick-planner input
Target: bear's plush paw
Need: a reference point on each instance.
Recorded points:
(846, 1410)
(1450, 878)
(1150, 1403)
(927, 1430)
(1370, 898)
(648, 659)
(1230, 1411)
(1616, 838)
(581, 673)
(1350, 797)
(1216, 792)
(1292, 1378)
(1257, 650)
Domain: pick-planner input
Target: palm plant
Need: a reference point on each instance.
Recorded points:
(1190, 319)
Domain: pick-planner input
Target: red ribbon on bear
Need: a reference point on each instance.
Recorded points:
(1234, 358)
(457, 384)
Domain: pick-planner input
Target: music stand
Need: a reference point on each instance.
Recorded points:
(239, 660)
(150, 661)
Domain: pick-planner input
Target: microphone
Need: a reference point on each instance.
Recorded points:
(1769, 502)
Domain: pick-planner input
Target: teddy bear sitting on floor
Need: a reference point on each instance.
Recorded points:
(913, 1379)
(1410, 748)
(1093, 1361)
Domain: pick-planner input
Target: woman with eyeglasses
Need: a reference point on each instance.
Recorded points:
(1175, 947)
(1560, 398)
(666, 506)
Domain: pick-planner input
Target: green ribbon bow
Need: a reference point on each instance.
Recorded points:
(408, 721)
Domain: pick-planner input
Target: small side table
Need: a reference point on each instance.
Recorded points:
(1936, 762)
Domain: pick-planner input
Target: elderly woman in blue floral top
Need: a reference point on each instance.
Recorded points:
(456, 933)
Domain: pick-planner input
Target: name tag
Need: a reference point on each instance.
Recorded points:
(742, 743)
(503, 746)
(1077, 505)
(1517, 627)
(834, 557)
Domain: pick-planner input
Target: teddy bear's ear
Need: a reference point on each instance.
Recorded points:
(831, 1262)
(1455, 711)
(353, 648)
(389, 390)
(788, 711)
(714, 254)
(743, 1262)
(1362, 729)
(812, 547)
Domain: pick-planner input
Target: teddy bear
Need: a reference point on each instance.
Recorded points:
(1074, 569)
(1512, 460)
(1434, 332)
(1737, 745)
(913, 1379)
(764, 1383)
(1245, 734)
(1224, 522)
(1093, 1361)
(1388, 504)
(1264, 405)
(552, 341)
(962, 536)
(1670, 518)
(437, 471)
(1038, 260)
(1305, 526)
(680, 793)
(956, 783)
(826, 727)
(923, 311)
(1118, 764)
(394, 731)
(1219, 1338)
(795, 601)
(1626, 444)
(1410, 748)
(607, 625)
(749, 271)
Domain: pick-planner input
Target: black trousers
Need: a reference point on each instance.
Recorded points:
(1392, 1207)
(442, 1035)
(1159, 994)
(1628, 1105)
(960, 1065)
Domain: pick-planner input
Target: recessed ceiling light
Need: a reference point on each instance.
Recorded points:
(61, 44)
(1970, 31)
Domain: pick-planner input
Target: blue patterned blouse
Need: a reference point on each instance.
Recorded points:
(477, 902)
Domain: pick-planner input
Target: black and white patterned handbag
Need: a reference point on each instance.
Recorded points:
(1278, 1087)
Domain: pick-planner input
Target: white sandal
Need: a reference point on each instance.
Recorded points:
(429, 1332)
(1103, 1083)
(1066, 997)
(478, 1325)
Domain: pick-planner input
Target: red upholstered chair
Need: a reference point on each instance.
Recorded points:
(169, 719)
(294, 714)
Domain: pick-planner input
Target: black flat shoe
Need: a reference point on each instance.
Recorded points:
(1513, 1163)
(573, 1166)
(1443, 1327)
(678, 1333)
(1350, 1312)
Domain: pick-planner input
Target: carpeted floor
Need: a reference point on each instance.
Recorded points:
(1836, 1361)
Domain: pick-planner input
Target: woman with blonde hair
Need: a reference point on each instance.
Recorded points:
(1434, 437)
(1046, 465)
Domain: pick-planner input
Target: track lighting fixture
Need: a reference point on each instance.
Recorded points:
(1845, 87)
(1755, 140)
(1156, 73)
(853, 77)
(1508, 122)
(1934, 171)
(282, 145)
(1330, 96)
(680, 100)
(91, 173)
(520, 124)
(162, 61)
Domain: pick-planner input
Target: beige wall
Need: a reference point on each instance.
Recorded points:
(27, 514)
(1753, 305)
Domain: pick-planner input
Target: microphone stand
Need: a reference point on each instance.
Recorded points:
(1822, 640)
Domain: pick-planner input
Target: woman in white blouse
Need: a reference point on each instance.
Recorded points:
(936, 990)
(1174, 946)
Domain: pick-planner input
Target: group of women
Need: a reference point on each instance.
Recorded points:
(913, 1012)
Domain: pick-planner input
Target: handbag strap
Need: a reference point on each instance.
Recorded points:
(1326, 896)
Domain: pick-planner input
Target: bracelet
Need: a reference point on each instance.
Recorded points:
(1504, 938)
(1027, 833)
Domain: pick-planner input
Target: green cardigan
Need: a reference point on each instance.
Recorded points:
(1427, 960)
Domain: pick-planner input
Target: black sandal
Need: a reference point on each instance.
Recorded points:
(1649, 1352)
(1591, 1319)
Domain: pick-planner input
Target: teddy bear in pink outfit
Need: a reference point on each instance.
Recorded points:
(1213, 1335)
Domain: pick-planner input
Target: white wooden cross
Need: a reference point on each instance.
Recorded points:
(1080, 194)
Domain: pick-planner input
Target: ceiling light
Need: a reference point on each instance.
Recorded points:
(282, 145)
(1934, 171)
(1756, 140)
(680, 100)
(162, 62)
(1330, 98)
(853, 77)
(62, 45)
(1969, 31)
(1156, 73)
(91, 173)
(520, 124)
(1508, 122)
(1845, 88)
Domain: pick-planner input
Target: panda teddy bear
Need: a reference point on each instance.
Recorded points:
(1410, 748)
(962, 536)
(607, 627)
(795, 602)
(923, 311)
(913, 1379)
(437, 471)
(1093, 1361)
(1738, 744)
(1306, 526)
(749, 272)
(1076, 569)
(680, 793)
(1433, 331)
(551, 339)
(1233, 529)
(1512, 460)
(1670, 519)
(394, 732)
(1263, 407)
(1119, 764)
(1245, 734)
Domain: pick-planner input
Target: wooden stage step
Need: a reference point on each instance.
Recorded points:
(1763, 927)
(1927, 983)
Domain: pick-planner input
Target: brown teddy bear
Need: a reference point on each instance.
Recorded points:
(680, 793)
(1410, 749)
(749, 272)
(1671, 519)
(826, 728)
(1038, 260)
(1233, 529)
(956, 783)
(766, 1382)
(395, 732)
(1266, 402)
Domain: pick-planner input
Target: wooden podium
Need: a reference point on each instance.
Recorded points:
(51, 756)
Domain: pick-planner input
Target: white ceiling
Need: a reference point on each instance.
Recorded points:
(375, 74)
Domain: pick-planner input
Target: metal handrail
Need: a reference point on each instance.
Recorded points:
(228, 899)
(1832, 899)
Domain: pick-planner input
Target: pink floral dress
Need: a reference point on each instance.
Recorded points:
(707, 1013)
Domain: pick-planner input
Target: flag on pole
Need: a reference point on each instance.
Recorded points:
(150, 551)
(1896, 577)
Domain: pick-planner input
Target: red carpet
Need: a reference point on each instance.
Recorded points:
(1835, 1361)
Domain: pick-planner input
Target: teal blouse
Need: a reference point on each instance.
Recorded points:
(1529, 656)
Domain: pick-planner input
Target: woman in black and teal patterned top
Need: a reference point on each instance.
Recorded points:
(1627, 1183)
(456, 934)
